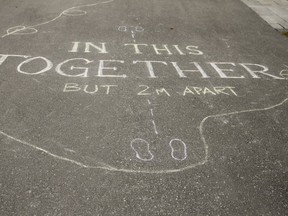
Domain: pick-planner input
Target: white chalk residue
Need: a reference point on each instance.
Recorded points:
(73, 11)
(107, 167)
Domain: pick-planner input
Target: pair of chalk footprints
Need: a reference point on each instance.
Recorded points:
(142, 149)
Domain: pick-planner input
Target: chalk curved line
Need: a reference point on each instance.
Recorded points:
(201, 129)
(173, 150)
(68, 12)
(137, 153)
(114, 169)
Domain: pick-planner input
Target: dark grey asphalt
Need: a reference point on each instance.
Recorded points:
(191, 121)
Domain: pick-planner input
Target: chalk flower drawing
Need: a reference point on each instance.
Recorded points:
(107, 167)
(73, 11)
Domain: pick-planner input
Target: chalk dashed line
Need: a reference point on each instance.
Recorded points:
(155, 128)
(152, 113)
(51, 88)
(68, 12)
(36, 80)
(152, 120)
(133, 34)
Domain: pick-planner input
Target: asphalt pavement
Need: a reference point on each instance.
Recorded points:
(133, 107)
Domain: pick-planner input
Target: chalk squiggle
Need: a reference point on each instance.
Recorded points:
(73, 11)
(107, 167)
(284, 75)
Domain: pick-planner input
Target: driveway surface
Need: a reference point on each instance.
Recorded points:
(132, 107)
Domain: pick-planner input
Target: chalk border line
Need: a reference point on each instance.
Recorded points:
(114, 169)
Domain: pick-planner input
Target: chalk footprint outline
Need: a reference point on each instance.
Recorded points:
(139, 154)
(175, 149)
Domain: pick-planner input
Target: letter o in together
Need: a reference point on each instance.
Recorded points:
(49, 65)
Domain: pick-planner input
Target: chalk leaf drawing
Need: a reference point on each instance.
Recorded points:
(107, 167)
(73, 11)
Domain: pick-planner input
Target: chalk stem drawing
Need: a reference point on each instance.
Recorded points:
(107, 167)
(73, 11)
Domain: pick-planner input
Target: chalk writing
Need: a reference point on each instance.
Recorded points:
(192, 90)
(87, 47)
(163, 49)
(150, 68)
(74, 87)
(145, 90)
